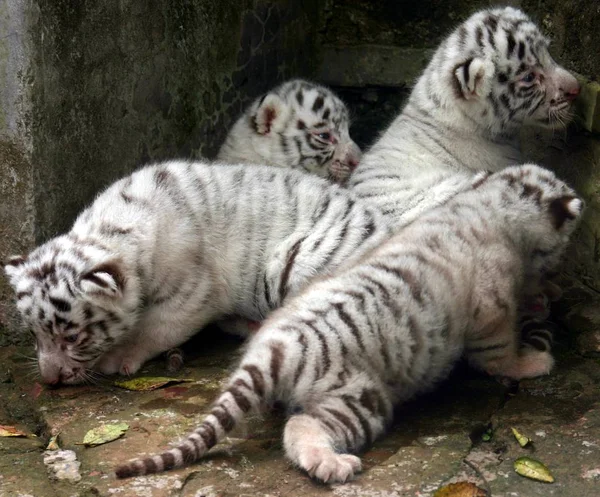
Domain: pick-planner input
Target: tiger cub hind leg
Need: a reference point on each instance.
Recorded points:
(308, 444)
(322, 440)
(174, 360)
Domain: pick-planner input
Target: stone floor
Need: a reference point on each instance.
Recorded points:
(436, 440)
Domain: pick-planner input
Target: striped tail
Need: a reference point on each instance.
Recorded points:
(248, 389)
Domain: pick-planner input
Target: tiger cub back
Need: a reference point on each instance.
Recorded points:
(391, 324)
(298, 124)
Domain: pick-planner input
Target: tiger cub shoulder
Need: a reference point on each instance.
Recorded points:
(298, 124)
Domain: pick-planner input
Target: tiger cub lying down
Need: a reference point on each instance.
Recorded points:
(173, 247)
(390, 325)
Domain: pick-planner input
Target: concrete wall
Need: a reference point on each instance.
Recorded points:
(90, 90)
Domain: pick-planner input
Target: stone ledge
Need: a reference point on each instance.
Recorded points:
(372, 65)
(587, 105)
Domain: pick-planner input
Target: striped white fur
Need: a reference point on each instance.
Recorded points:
(298, 124)
(174, 246)
(390, 325)
(487, 79)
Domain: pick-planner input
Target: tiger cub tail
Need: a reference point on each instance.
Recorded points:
(248, 389)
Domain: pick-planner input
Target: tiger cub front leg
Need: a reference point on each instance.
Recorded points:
(159, 331)
(496, 349)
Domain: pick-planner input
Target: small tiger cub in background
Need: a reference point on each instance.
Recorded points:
(390, 325)
(300, 125)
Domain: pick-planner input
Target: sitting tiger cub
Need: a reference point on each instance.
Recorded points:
(489, 77)
(300, 125)
(384, 328)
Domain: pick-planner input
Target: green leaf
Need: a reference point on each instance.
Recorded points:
(522, 439)
(530, 468)
(145, 383)
(104, 434)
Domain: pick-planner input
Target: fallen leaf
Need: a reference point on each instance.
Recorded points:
(522, 439)
(460, 489)
(146, 383)
(11, 431)
(53, 443)
(104, 434)
(530, 468)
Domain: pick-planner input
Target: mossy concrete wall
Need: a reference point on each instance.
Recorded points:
(17, 217)
(91, 90)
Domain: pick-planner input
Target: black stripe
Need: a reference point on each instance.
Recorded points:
(319, 102)
(240, 399)
(510, 43)
(325, 356)
(521, 52)
(168, 460)
(277, 358)
(302, 361)
(224, 417)
(257, 379)
(344, 420)
(347, 320)
(285, 275)
(208, 434)
(366, 427)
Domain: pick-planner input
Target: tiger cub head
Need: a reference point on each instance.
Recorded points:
(495, 68)
(75, 300)
(299, 125)
(541, 213)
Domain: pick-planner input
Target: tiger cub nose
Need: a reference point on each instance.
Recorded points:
(571, 93)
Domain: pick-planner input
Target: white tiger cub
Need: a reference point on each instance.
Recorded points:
(487, 79)
(352, 346)
(300, 125)
(174, 246)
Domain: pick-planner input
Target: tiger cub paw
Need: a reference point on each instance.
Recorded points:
(327, 466)
(530, 364)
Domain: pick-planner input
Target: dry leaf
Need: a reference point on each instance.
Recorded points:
(11, 431)
(522, 439)
(53, 443)
(530, 468)
(460, 489)
(104, 434)
(146, 383)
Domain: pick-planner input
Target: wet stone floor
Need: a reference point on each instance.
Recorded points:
(460, 432)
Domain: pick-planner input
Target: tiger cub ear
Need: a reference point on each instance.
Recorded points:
(12, 266)
(271, 115)
(106, 279)
(474, 78)
(565, 208)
